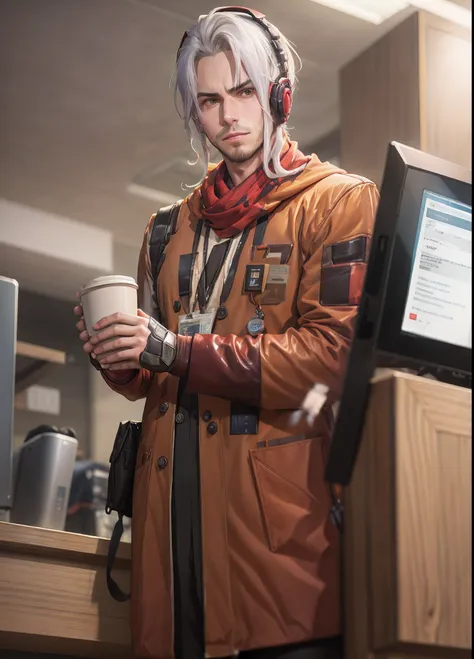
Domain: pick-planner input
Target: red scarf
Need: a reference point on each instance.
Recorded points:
(230, 210)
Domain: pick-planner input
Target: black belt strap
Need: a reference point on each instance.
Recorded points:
(186, 269)
(164, 225)
(260, 229)
(114, 589)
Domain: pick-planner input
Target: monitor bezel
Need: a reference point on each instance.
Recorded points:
(392, 339)
(366, 354)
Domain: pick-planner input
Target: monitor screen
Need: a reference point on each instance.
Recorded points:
(426, 314)
(415, 308)
(439, 304)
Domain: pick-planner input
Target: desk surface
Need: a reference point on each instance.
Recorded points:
(45, 542)
(53, 594)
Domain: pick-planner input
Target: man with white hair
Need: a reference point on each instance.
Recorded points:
(252, 302)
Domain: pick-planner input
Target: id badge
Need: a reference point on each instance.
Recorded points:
(255, 277)
(275, 290)
(196, 323)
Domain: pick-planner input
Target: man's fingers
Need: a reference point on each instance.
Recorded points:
(118, 319)
(88, 347)
(117, 356)
(81, 326)
(116, 344)
(78, 310)
(84, 336)
(122, 366)
(113, 331)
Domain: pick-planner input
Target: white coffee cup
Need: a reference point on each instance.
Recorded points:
(105, 296)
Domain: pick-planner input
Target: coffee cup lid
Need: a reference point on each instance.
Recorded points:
(109, 280)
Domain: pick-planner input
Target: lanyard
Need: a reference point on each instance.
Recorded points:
(204, 255)
(209, 276)
(210, 273)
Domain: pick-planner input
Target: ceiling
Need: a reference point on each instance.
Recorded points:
(87, 107)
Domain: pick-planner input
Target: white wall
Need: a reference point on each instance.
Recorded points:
(49, 254)
(107, 410)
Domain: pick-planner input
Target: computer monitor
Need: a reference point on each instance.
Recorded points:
(8, 323)
(415, 309)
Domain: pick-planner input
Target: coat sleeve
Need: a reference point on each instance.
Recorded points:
(276, 371)
(135, 384)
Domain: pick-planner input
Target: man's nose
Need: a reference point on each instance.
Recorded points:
(229, 111)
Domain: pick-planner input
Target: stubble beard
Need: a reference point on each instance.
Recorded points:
(240, 155)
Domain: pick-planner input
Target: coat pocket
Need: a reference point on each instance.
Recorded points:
(293, 495)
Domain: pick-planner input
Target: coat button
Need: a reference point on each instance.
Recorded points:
(179, 417)
(207, 416)
(212, 428)
(162, 462)
(163, 408)
(222, 313)
(176, 306)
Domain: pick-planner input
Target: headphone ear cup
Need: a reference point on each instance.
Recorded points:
(281, 100)
(273, 102)
(287, 100)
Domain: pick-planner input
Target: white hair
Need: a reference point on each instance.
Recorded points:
(251, 47)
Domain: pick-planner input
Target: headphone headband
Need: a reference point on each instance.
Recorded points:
(272, 33)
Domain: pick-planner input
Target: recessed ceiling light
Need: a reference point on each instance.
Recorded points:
(445, 9)
(372, 11)
(378, 11)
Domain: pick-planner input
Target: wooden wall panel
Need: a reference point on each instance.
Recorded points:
(413, 86)
(379, 101)
(445, 89)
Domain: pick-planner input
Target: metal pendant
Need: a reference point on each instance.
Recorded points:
(256, 325)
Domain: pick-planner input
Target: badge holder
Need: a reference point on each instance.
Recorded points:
(196, 323)
(256, 325)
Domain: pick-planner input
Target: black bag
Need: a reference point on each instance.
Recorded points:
(124, 452)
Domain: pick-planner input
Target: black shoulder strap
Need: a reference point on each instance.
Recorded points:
(113, 587)
(164, 225)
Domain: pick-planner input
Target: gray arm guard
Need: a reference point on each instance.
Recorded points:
(160, 351)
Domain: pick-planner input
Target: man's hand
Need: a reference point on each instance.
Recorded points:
(81, 326)
(120, 340)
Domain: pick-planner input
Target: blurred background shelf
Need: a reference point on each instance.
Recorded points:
(33, 362)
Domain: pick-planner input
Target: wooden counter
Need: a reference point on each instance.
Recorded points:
(408, 514)
(54, 597)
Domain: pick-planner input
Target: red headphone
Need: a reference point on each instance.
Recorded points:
(281, 93)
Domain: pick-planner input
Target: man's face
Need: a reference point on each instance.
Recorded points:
(231, 116)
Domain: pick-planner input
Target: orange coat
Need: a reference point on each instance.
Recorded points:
(270, 552)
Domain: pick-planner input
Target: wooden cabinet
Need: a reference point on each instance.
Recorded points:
(53, 594)
(407, 549)
(413, 86)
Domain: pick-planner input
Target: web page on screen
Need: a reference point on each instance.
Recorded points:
(439, 296)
